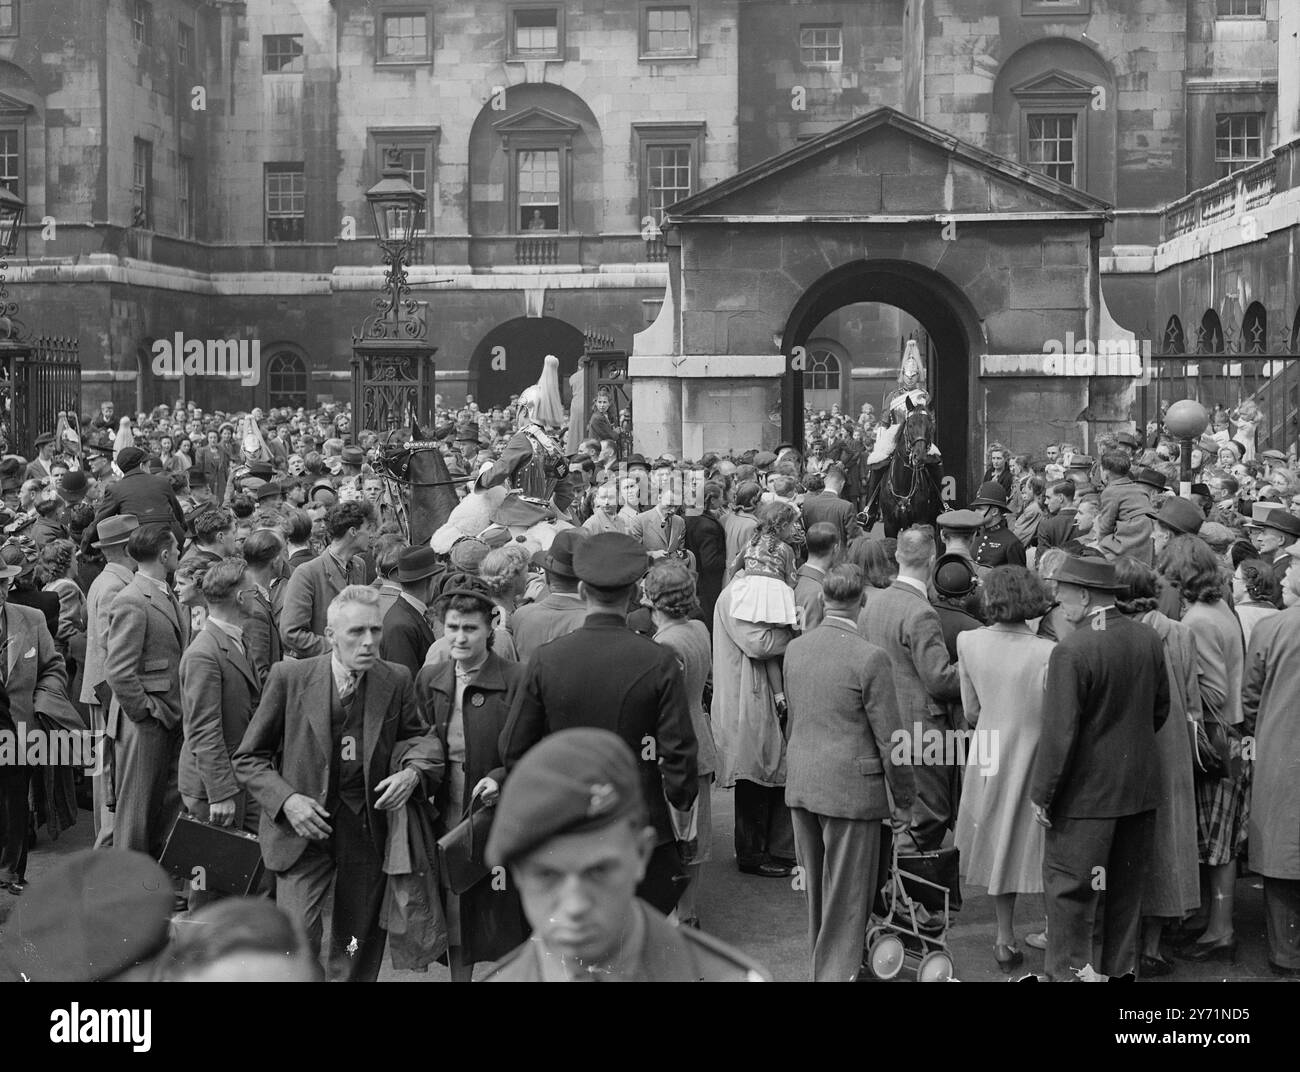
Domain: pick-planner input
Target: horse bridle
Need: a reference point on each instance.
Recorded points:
(387, 454)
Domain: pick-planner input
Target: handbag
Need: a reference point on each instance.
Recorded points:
(1216, 758)
(460, 849)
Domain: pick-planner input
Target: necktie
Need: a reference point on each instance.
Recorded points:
(349, 685)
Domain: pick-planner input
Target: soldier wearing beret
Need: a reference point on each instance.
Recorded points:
(572, 809)
(638, 692)
(148, 496)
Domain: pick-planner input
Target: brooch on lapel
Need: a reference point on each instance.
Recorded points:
(477, 699)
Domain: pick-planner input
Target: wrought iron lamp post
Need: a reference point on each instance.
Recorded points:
(391, 371)
(1186, 420)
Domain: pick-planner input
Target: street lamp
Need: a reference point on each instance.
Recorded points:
(392, 373)
(398, 209)
(1186, 420)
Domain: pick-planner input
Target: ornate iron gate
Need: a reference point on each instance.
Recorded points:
(605, 369)
(42, 378)
(1224, 368)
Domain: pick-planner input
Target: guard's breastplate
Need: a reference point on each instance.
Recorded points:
(538, 476)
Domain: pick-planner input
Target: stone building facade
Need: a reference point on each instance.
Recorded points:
(199, 166)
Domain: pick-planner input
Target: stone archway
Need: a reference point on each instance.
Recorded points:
(509, 357)
(938, 306)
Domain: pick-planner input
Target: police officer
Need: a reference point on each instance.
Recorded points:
(604, 674)
(571, 827)
(997, 544)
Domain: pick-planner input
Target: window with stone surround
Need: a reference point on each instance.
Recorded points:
(8, 18)
(286, 380)
(184, 44)
(142, 22)
(538, 144)
(1052, 140)
(1239, 9)
(11, 159)
(536, 31)
(668, 31)
(142, 183)
(417, 150)
(822, 384)
(1055, 7)
(1238, 141)
(286, 203)
(821, 46)
(668, 157)
(405, 35)
(283, 54)
(538, 189)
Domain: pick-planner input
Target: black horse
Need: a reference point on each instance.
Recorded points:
(906, 489)
(427, 492)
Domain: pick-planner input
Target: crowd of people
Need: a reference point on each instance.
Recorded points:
(433, 744)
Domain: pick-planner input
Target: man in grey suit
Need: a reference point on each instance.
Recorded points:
(843, 716)
(33, 676)
(823, 543)
(147, 632)
(563, 610)
(116, 575)
(314, 584)
(321, 757)
(901, 620)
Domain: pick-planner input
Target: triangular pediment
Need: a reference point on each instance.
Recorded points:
(1053, 84)
(886, 164)
(13, 106)
(536, 120)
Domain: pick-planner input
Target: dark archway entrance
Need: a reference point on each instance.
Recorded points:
(944, 313)
(509, 357)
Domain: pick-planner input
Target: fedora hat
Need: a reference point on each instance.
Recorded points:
(116, 529)
(1280, 520)
(1128, 439)
(991, 493)
(1180, 515)
(43, 438)
(1088, 573)
(417, 563)
(558, 558)
(1152, 478)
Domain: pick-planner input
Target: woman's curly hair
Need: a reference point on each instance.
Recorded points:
(670, 589)
(55, 560)
(1190, 566)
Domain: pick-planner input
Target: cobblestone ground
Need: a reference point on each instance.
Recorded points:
(766, 918)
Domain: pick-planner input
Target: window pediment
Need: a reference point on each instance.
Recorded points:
(532, 122)
(1053, 85)
(11, 107)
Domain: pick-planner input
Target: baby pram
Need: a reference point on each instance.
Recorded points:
(909, 928)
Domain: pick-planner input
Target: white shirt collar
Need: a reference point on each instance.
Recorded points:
(913, 583)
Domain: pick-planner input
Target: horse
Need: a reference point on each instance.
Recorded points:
(907, 488)
(427, 494)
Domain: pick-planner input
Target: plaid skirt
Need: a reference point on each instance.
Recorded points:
(1223, 817)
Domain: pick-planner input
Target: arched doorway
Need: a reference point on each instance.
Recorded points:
(509, 358)
(945, 314)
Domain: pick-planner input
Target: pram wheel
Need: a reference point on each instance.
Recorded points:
(886, 956)
(935, 967)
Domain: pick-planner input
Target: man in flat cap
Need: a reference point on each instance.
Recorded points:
(92, 917)
(1095, 785)
(148, 496)
(407, 632)
(95, 694)
(606, 675)
(573, 808)
(42, 466)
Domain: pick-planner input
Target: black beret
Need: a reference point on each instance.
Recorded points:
(570, 782)
(89, 918)
(610, 560)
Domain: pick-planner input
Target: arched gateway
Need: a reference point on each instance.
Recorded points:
(996, 262)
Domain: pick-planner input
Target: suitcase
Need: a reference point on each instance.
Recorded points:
(218, 859)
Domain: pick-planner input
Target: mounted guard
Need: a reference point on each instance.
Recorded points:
(905, 467)
(529, 489)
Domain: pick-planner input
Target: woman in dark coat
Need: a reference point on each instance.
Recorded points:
(467, 698)
(706, 539)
